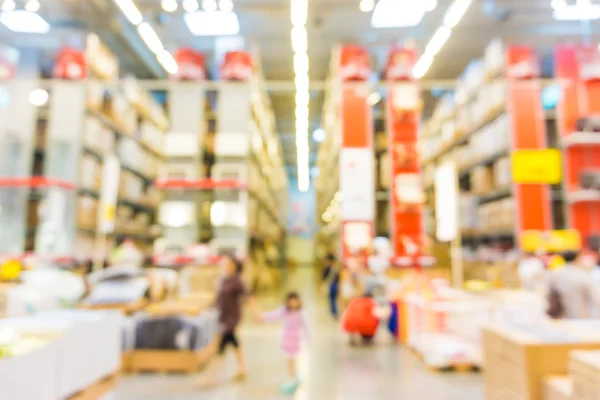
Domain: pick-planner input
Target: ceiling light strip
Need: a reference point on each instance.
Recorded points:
(299, 14)
(148, 35)
(453, 16)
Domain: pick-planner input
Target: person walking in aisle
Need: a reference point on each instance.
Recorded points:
(230, 295)
(331, 278)
(531, 271)
(570, 290)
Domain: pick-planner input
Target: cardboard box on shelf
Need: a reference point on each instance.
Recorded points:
(482, 180)
(89, 172)
(519, 356)
(503, 172)
(87, 211)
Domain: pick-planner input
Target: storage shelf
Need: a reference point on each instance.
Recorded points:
(581, 139)
(583, 196)
(483, 162)
(146, 178)
(119, 234)
(121, 201)
(113, 126)
(490, 117)
(495, 195)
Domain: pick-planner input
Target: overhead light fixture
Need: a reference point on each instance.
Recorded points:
(302, 98)
(366, 5)
(302, 82)
(374, 98)
(301, 112)
(38, 97)
(150, 37)
(302, 126)
(301, 63)
(456, 12)
(319, 135)
(169, 5)
(397, 13)
(429, 5)
(167, 61)
(23, 21)
(580, 11)
(226, 5)
(213, 23)
(422, 66)
(438, 40)
(299, 39)
(32, 6)
(130, 10)
(190, 5)
(299, 12)
(558, 3)
(8, 5)
(209, 5)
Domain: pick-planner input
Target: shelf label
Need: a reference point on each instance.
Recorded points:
(542, 166)
(550, 241)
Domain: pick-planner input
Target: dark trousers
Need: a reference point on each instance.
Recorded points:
(333, 295)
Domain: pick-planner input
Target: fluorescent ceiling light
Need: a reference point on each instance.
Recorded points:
(299, 12)
(23, 21)
(38, 97)
(169, 5)
(150, 37)
(168, 62)
(302, 126)
(8, 5)
(584, 12)
(374, 98)
(429, 5)
(302, 98)
(216, 23)
(32, 5)
(226, 5)
(130, 11)
(299, 39)
(300, 64)
(209, 5)
(319, 135)
(190, 5)
(456, 12)
(301, 112)
(422, 66)
(438, 40)
(302, 82)
(397, 13)
(366, 5)
(558, 3)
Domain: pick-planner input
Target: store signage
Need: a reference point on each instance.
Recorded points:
(589, 62)
(543, 166)
(355, 63)
(550, 241)
(9, 60)
(357, 181)
(70, 64)
(357, 235)
(400, 64)
(446, 202)
(191, 63)
(237, 66)
(111, 171)
(522, 63)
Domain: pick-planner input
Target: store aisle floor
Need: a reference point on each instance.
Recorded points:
(329, 368)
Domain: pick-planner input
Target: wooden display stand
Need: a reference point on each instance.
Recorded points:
(558, 388)
(98, 389)
(169, 361)
(516, 362)
(585, 375)
(125, 309)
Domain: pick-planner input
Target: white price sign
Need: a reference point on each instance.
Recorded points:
(357, 184)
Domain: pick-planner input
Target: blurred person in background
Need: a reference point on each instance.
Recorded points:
(230, 296)
(331, 283)
(531, 272)
(570, 290)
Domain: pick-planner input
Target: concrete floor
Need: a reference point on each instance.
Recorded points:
(329, 368)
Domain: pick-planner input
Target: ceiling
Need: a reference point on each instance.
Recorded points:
(266, 24)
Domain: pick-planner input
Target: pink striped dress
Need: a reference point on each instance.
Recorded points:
(294, 326)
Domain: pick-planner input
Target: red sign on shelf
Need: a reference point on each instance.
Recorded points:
(70, 64)
(355, 64)
(237, 66)
(522, 63)
(191, 63)
(9, 59)
(400, 64)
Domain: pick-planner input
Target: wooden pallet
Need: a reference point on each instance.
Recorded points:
(98, 389)
(170, 361)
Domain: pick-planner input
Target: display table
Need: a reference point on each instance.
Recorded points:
(518, 357)
(558, 388)
(585, 374)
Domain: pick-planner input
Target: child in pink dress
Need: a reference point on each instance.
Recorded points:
(294, 327)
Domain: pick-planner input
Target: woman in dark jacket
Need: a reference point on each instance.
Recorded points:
(331, 277)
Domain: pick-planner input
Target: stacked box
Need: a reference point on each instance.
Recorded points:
(558, 388)
(585, 374)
